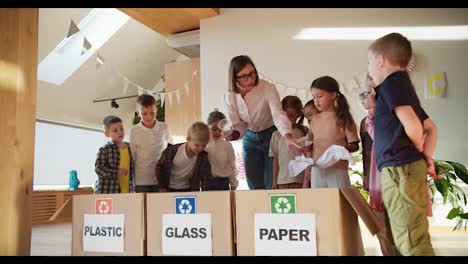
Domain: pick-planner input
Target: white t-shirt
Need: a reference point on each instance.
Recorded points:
(279, 150)
(259, 110)
(222, 160)
(182, 169)
(147, 145)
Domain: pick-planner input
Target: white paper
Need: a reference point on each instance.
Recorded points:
(199, 244)
(298, 165)
(285, 235)
(332, 155)
(94, 239)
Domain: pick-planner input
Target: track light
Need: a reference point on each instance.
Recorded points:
(114, 104)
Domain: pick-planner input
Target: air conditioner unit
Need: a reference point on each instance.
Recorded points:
(187, 43)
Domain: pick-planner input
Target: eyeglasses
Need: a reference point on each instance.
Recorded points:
(363, 95)
(245, 77)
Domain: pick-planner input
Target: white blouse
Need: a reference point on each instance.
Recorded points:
(222, 160)
(259, 110)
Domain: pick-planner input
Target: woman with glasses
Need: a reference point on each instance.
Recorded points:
(255, 111)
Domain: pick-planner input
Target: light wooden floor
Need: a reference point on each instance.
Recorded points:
(55, 240)
(51, 240)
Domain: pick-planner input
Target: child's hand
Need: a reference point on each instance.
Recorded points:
(290, 142)
(233, 188)
(228, 137)
(123, 172)
(420, 147)
(431, 169)
(306, 149)
(274, 186)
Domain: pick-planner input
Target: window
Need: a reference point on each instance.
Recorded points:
(61, 148)
(98, 27)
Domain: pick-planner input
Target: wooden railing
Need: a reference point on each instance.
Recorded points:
(46, 203)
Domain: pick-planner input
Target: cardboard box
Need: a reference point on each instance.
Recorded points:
(99, 211)
(215, 203)
(337, 227)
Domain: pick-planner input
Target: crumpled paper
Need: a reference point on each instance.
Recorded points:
(299, 164)
(331, 156)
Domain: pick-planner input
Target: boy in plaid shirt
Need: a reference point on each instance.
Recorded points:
(185, 167)
(114, 165)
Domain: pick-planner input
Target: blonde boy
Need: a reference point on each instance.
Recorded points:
(185, 167)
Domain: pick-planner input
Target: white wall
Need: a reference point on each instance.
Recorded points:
(60, 149)
(267, 35)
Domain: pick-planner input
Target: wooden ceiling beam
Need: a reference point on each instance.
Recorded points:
(168, 21)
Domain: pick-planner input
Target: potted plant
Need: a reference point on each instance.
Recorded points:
(447, 186)
(450, 190)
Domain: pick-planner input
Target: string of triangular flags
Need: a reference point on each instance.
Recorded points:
(74, 29)
(285, 89)
(156, 90)
(349, 88)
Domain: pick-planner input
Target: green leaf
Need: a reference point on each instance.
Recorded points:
(442, 166)
(449, 175)
(460, 170)
(453, 213)
(461, 192)
(357, 157)
(442, 187)
(463, 216)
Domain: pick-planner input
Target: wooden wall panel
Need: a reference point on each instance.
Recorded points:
(18, 81)
(181, 114)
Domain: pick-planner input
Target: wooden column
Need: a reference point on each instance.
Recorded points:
(18, 81)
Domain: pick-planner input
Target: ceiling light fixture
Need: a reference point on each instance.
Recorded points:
(114, 104)
(459, 32)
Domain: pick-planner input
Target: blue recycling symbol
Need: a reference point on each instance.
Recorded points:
(185, 205)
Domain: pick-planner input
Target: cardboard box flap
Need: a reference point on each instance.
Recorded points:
(64, 212)
(362, 209)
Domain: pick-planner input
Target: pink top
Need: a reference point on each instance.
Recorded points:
(375, 186)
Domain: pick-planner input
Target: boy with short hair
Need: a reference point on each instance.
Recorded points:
(114, 165)
(148, 139)
(185, 167)
(405, 139)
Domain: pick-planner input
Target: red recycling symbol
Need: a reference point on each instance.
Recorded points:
(103, 206)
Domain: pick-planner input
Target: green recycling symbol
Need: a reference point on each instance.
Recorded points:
(283, 203)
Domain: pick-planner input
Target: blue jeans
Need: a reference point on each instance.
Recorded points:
(258, 165)
(218, 184)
